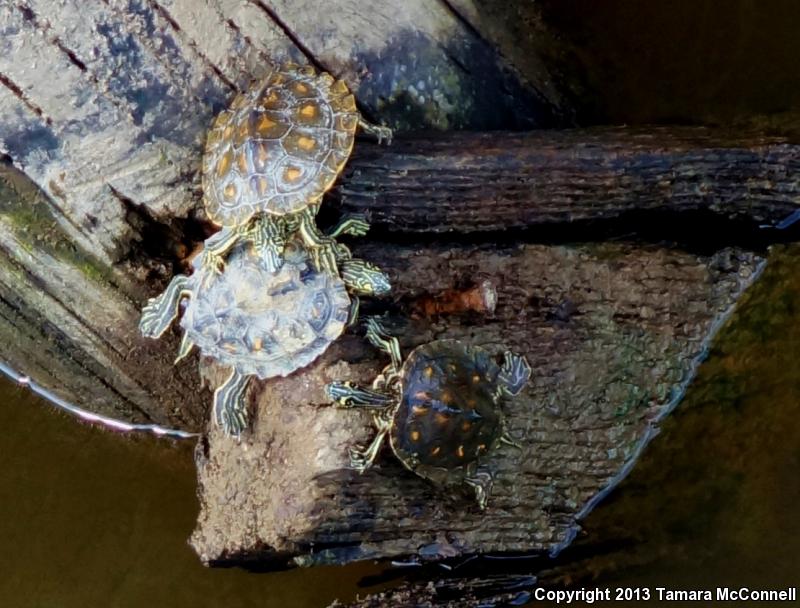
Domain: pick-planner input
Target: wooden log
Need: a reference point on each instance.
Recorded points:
(613, 332)
(469, 182)
(109, 103)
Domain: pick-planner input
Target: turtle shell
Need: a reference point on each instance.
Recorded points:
(262, 323)
(448, 415)
(279, 147)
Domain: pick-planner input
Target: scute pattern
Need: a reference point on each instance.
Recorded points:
(279, 147)
(261, 323)
(448, 416)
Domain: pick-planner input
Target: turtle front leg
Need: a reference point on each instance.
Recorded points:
(159, 312)
(377, 131)
(382, 341)
(481, 482)
(514, 374)
(347, 394)
(230, 409)
(352, 225)
(323, 249)
(362, 459)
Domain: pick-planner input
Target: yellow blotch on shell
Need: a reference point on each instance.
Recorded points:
(241, 162)
(460, 451)
(300, 88)
(229, 191)
(292, 174)
(265, 125)
(309, 110)
(258, 344)
(306, 143)
(339, 87)
(414, 435)
(224, 164)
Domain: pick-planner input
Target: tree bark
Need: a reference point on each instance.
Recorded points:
(470, 182)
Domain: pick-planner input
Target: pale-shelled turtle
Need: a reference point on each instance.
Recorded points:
(260, 321)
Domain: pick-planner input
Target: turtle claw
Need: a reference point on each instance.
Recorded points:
(379, 132)
(359, 460)
(514, 374)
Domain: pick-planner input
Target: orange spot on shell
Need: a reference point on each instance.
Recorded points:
(292, 174)
(339, 87)
(258, 344)
(223, 164)
(349, 103)
(466, 425)
(482, 447)
(435, 450)
(229, 191)
(265, 125)
(306, 143)
(300, 88)
(442, 419)
(308, 111)
(460, 451)
(241, 162)
(414, 435)
(475, 378)
(427, 372)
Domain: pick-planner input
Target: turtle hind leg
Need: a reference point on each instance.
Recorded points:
(323, 249)
(514, 374)
(159, 312)
(230, 408)
(362, 459)
(378, 337)
(379, 132)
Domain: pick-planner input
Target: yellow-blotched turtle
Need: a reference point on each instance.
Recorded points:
(259, 321)
(271, 156)
(440, 408)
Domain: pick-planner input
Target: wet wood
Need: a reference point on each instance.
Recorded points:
(613, 333)
(468, 182)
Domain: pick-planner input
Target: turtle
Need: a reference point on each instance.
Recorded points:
(440, 408)
(272, 155)
(260, 321)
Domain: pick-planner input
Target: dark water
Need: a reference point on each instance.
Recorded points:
(91, 519)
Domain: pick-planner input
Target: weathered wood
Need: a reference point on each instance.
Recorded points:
(467, 592)
(613, 333)
(468, 182)
(109, 102)
(69, 323)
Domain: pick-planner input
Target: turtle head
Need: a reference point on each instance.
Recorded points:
(364, 279)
